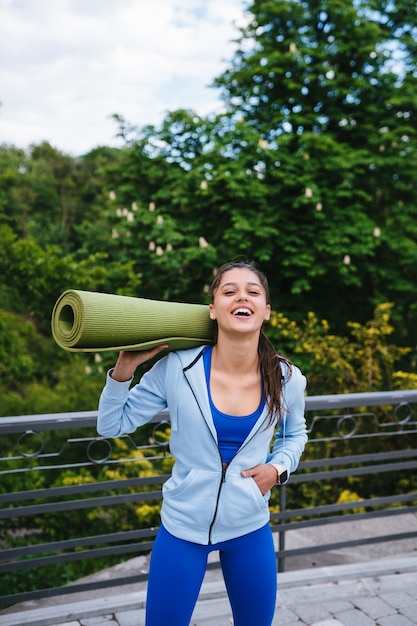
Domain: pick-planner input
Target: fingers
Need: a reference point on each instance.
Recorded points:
(263, 476)
(156, 350)
(253, 471)
(142, 357)
(129, 361)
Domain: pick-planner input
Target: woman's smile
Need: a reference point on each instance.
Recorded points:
(240, 295)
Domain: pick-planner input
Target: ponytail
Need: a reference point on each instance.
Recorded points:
(274, 377)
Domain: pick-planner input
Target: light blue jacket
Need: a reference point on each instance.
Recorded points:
(201, 503)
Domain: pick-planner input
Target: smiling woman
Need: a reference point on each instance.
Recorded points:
(241, 291)
(226, 402)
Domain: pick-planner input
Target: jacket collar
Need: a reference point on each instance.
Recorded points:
(193, 369)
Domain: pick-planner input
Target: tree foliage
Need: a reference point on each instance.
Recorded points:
(330, 88)
(309, 171)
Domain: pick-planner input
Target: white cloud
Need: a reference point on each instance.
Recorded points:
(68, 65)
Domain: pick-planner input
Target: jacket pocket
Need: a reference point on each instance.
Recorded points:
(192, 499)
(174, 487)
(241, 506)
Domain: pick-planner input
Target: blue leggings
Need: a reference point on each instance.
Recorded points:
(177, 570)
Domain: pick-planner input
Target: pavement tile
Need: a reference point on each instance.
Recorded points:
(328, 622)
(410, 610)
(212, 621)
(106, 622)
(389, 582)
(311, 612)
(322, 590)
(216, 611)
(338, 606)
(374, 607)
(399, 599)
(100, 620)
(284, 616)
(288, 621)
(354, 618)
(395, 620)
(131, 618)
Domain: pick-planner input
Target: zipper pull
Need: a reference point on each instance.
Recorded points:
(224, 468)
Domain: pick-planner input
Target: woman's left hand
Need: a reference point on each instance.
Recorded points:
(264, 475)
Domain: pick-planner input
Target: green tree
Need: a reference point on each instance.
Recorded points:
(330, 89)
(189, 197)
(15, 194)
(38, 377)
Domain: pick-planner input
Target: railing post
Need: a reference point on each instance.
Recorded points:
(281, 533)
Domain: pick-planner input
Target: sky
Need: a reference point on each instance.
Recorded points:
(66, 66)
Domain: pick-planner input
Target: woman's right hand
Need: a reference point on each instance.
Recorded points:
(128, 362)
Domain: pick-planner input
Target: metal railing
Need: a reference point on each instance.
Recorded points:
(64, 447)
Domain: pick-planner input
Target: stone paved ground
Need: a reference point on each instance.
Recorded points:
(370, 584)
(381, 592)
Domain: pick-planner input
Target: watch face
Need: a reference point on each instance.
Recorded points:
(283, 477)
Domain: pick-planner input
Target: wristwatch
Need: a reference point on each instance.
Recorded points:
(282, 473)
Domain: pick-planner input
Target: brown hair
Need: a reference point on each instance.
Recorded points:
(269, 360)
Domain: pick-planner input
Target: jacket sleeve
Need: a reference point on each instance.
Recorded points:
(122, 410)
(291, 436)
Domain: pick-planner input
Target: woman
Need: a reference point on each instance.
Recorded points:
(225, 403)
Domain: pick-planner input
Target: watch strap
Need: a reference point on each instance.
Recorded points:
(282, 473)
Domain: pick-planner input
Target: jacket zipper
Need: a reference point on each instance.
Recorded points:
(223, 474)
(223, 480)
(224, 469)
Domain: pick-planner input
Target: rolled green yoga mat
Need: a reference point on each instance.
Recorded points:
(86, 321)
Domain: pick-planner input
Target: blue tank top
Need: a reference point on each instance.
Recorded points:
(232, 430)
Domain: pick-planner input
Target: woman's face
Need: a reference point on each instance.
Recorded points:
(239, 303)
